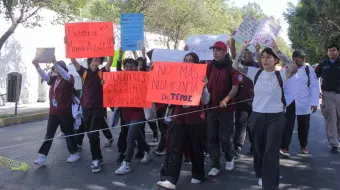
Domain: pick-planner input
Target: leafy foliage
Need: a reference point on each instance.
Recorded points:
(26, 12)
(314, 26)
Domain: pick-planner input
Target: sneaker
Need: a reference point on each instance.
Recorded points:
(147, 157)
(120, 159)
(195, 181)
(160, 153)
(284, 153)
(259, 182)
(79, 147)
(335, 150)
(229, 165)
(124, 168)
(139, 155)
(214, 172)
(100, 162)
(95, 166)
(61, 135)
(41, 160)
(187, 161)
(155, 139)
(237, 153)
(73, 158)
(166, 184)
(109, 142)
(304, 151)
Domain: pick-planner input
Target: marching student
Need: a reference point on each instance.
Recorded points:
(134, 118)
(60, 112)
(186, 130)
(302, 97)
(267, 121)
(223, 85)
(92, 103)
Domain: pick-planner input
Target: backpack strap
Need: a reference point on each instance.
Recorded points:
(307, 72)
(209, 69)
(230, 77)
(279, 78)
(84, 76)
(257, 76)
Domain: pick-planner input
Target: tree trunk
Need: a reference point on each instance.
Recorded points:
(7, 34)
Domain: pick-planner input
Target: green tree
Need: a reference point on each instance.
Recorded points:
(313, 26)
(26, 12)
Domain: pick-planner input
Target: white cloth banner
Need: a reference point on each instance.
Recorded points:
(247, 29)
(167, 55)
(263, 32)
(200, 44)
(266, 33)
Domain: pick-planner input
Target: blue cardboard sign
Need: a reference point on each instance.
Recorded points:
(132, 31)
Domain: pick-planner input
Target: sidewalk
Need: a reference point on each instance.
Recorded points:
(26, 113)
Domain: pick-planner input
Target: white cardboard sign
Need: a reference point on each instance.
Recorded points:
(44, 55)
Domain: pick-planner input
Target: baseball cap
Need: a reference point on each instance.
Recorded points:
(220, 45)
(299, 53)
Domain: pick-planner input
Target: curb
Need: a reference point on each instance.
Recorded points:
(17, 120)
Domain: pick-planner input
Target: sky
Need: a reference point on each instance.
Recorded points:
(274, 8)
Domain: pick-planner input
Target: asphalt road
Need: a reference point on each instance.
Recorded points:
(319, 170)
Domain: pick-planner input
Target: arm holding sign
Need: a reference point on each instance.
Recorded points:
(64, 74)
(290, 66)
(237, 62)
(42, 73)
(109, 63)
(232, 45)
(258, 55)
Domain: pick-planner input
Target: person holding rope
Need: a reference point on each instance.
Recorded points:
(267, 121)
(92, 103)
(223, 85)
(186, 130)
(60, 112)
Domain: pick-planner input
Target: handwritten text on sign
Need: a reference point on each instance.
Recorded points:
(90, 39)
(132, 31)
(176, 83)
(126, 89)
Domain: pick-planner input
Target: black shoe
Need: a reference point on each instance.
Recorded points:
(139, 155)
(109, 142)
(335, 150)
(120, 159)
(187, 161)
(237, 153)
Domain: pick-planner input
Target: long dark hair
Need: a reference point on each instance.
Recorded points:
(194, 56)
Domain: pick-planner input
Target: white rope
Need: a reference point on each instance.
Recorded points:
(110, 128)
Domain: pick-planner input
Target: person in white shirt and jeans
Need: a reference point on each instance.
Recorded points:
(302, 97)
(267, 121)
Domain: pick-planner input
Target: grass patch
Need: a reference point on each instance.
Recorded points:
(4, 116)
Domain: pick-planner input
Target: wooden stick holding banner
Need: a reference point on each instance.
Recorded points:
(126, 89)
(176, 83)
